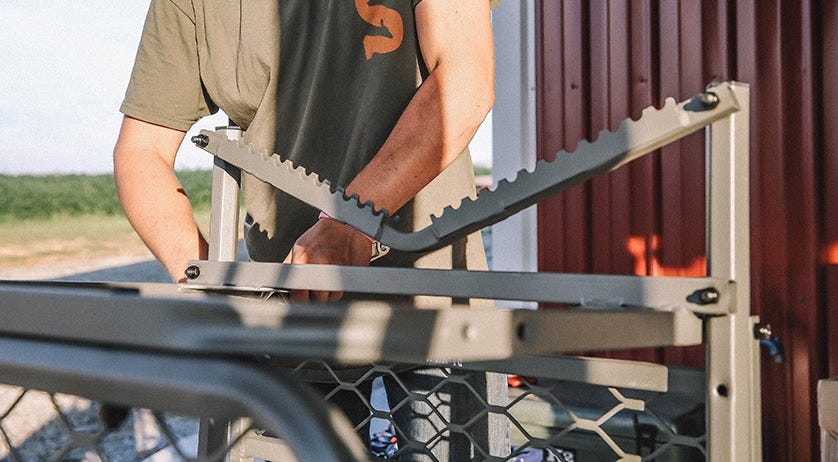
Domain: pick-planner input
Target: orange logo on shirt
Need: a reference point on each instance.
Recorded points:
(382, 17)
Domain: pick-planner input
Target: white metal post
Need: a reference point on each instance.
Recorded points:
(514, 240)
(733, 383)
(222, 240)
(224, 214)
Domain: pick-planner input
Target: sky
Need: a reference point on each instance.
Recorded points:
(64, 73)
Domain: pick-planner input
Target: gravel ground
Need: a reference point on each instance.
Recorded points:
(39, 425)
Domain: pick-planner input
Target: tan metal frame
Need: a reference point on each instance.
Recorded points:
(733, 382)
(217, 316)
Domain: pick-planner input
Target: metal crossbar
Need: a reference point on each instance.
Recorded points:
(200, 349)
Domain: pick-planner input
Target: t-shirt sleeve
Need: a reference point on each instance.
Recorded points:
(165, 86)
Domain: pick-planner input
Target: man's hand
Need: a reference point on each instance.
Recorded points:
(435, 128)
(328, 242)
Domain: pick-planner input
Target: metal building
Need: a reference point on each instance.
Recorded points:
(571, 69)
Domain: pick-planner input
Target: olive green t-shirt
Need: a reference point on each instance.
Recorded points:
(320, 82)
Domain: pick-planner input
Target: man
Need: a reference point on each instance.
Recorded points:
(381, 97)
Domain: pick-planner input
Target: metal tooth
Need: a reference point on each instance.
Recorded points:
(368, 205)
(355, 199)
(503, 182)
(447, 209)
(599, 136)
(487, 193)
(318, 181)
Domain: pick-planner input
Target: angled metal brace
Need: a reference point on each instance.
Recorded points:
(634, 138)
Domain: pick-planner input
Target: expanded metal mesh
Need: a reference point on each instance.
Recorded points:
(544, 420)
(40, 426)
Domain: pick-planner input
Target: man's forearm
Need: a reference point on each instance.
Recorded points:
(435, 128)
(446, 110)
(153, 198)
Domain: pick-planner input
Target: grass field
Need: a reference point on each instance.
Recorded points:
(58, 219)
(64, 239)
(37, 197)
(65, 218)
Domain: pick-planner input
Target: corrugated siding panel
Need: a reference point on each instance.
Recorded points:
(828, 61)
(602, 61)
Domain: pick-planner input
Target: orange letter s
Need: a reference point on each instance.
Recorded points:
(381, 16)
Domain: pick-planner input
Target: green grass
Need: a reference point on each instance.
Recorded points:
(70, 217)
(42, 197)
(59, 218)
(27, 197)
(482, 171)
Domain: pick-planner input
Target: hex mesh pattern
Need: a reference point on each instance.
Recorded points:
(547, 420)
(40, 426)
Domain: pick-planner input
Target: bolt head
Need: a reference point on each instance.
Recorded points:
(192, 272)
(709, 99)
(763, 331)
(200, 140)
(709, 296)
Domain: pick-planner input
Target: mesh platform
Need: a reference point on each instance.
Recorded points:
(547, 420)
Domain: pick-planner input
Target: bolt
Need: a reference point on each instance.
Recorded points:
(200, 140)
(708, 296)
(192, 272)
(704, 296)
(762, 331)
(708, 99)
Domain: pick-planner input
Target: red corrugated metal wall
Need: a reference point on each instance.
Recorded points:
(602, 61)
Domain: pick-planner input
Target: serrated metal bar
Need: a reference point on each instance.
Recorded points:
(662, 293)
(296, 181)
(634, 138)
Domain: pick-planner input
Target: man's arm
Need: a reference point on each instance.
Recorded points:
(152, 196)
(456, 42)
(455, 37)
